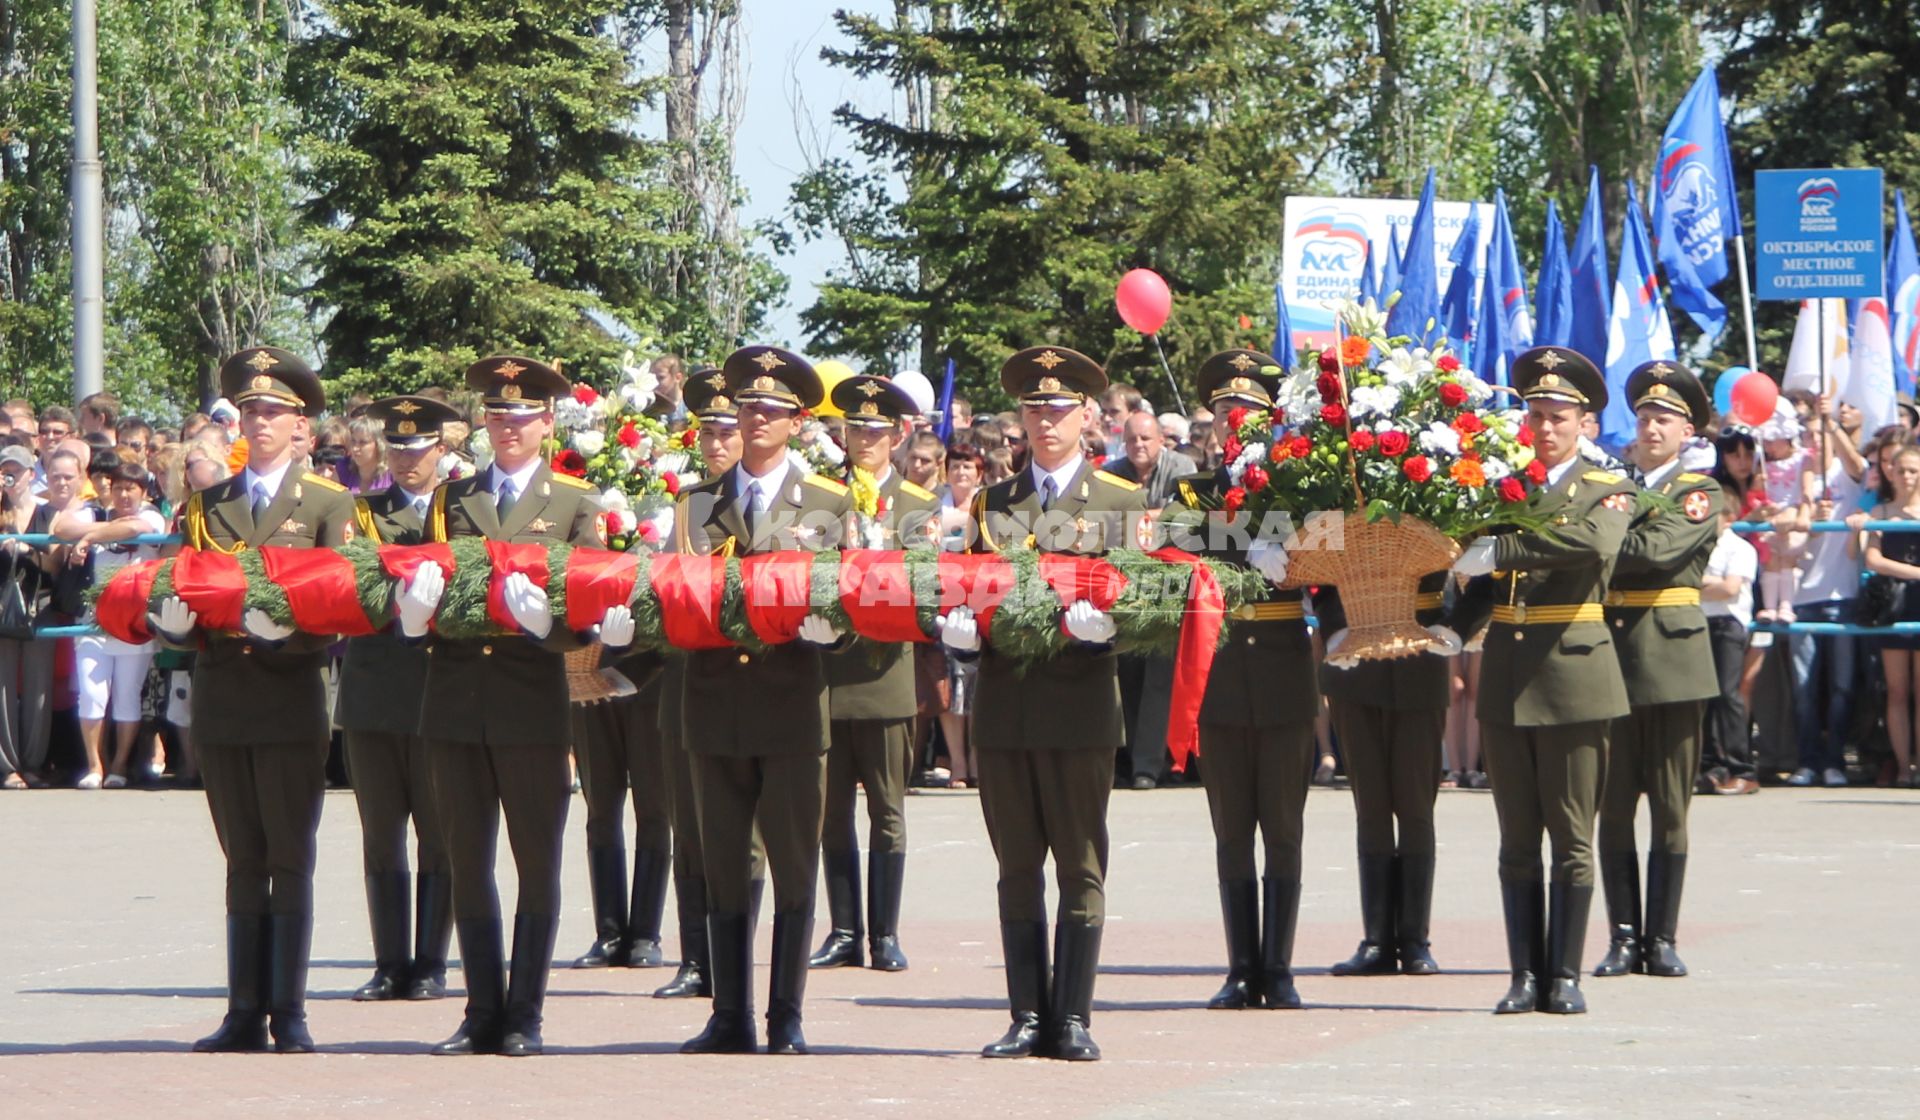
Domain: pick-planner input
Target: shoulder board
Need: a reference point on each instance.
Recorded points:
(1604, 478)
(824, 483)
(576, 483)
(1187, 493)
(1689, 478)
(1116, 480)
(324, 483)
(922, 493)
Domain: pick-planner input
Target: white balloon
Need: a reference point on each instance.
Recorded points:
(917, 386)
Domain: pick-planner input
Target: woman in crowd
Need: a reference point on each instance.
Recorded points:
(1738, 471)
(1895, 553)
(1000, 466)
(110, 673)
(365, 471)
(26, 665)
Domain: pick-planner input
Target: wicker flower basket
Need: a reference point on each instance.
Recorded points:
(1377, 566)
(586, 684)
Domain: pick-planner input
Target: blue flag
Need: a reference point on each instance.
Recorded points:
(1419, 307)
(1390, 268)
(1457, 308)
(1695, 207)
(946, 406)
(1638, 331)
(1589, 310)
(1903, 297)
(1369, 279)
(1553, 292)
(1503, 327)
(1282, 330)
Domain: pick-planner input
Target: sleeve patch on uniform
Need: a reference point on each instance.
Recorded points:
(1697, 505)
(1618, 503)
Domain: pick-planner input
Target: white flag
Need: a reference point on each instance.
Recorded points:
(1870, 368)
(1807, 368)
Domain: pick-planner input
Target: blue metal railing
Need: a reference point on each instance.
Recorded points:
(43, 539)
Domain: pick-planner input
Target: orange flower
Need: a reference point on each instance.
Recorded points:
(1466, 472)
(1354, 351)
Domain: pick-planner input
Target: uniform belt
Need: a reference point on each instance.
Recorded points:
(1559, 613)
(1290, 610)
(1664, 597)
(1428, 600)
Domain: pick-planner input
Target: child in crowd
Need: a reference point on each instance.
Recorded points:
(1787, 470)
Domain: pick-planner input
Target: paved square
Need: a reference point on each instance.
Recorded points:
(1800, 926)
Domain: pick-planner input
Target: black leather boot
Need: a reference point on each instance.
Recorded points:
(387, 911)
(1023, 945)
(292, 938)
(730, 1028)
(690, 899)
(432, 930)
(1279, 917)
(886, 880)
(244, 1030)
(607, 872)
(1567, 909)
(1375, 956)
(1240, 912)
(1076, 961)
(1620, 877)
(1526, 941)
(787, 987)
(533, 937)
(1666, 873)
(483, 961)
(842, 946)
(648, 901)
(1413, 908)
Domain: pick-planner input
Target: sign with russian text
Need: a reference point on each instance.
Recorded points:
(1817, 234)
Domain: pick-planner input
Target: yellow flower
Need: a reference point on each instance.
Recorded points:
(866, 492)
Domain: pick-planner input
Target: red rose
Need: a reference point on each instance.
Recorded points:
(1452, 394)
(1334, 414)
(1417, 468)
(688, 438)
(628, 435)
(1302, 447)
(1524, 437)
(1235, 417)
(1537, 472)
(1235, 498)
(1469, 424)
(1256, 479)
(1329, 363)
(1511, 490)
(672, 482)
(1279, 416)
(649, 532)
(1361, 440)
(1232, 448)
(584, 393)
(1447, 363)
(1329, 386)
(1394, 443)
(571, 462)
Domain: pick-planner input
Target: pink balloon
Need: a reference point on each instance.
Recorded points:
(1143, 300)
(1754, 396)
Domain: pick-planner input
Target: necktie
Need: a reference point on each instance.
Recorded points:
(420, 507)
(753, 509)
(503, 501)
(1048, 492)
(261, 500)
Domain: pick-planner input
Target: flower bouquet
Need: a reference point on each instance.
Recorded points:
(637, 463)
(1385, 455)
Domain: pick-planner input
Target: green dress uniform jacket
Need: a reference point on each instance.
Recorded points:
(245, 693)
(1539, 670)
(1072, 701)
(383, 678)
(1665, 655)
(876, 682)
(511, 690)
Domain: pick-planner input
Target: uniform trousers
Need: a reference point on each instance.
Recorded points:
(873, 754)
(1257, 778)
(1038, 802)
(786, 796)
(1545, 779)
(473, 785)
(617, 744)
(1393, 765)
(1655, 750)
(265, 801)
(391, 783)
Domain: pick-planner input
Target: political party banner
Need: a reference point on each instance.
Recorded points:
(1324, 251)
(1817, 233)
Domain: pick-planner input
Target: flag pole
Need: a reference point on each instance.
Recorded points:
(1746, 298)
(1826, 388)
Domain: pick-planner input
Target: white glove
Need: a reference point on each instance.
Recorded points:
(262, 626)
(815, 629)
(174, 621)
(527, 604)
(1089, 624)
(416, 601)
(616, 628)
(1477, 560)
(1450, 644)
(959, 632)
(1269, 559)
(1335, 642)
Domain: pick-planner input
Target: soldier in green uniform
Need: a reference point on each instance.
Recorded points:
(1256, 735)
(495, 710)
(1048, 732)
(756, 722)
(1390, 716)
(1665, 655)
(870, 695)
(260, 705)
(708, 402)
(1550, 683)
(381, 681)
(617, 743)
